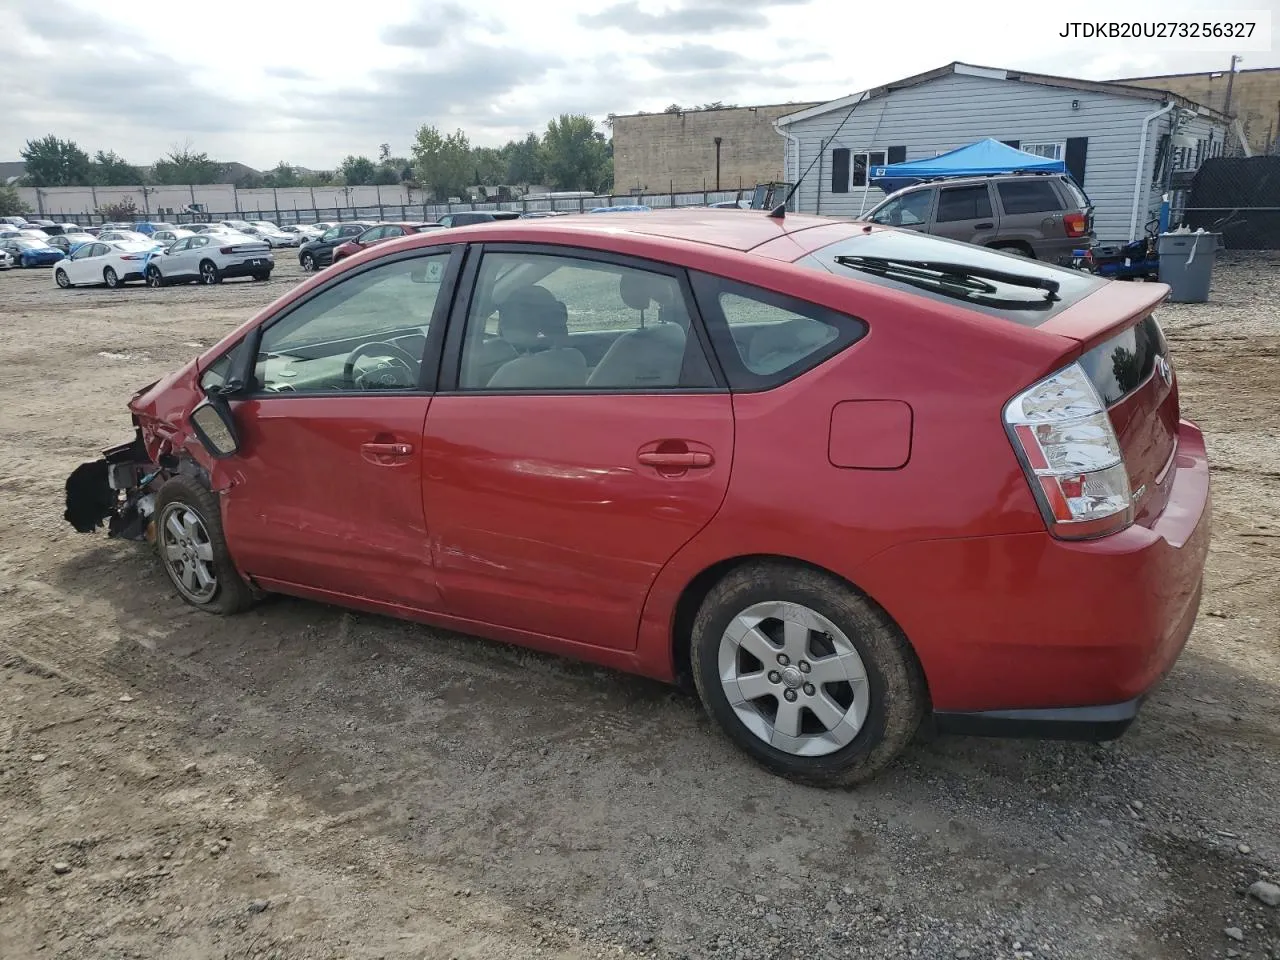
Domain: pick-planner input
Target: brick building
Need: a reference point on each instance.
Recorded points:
(659, 152)
(1255, 98)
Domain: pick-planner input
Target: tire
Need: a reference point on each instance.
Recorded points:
(209, 274)
(260, 277)
(111, 278)
(868, 721)
(1016, 249)
(307, 262)
(155, 278)
(61, 279)
(194, 552)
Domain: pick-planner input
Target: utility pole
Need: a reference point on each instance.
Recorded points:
(1231, 79)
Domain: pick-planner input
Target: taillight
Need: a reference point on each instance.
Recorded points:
(1071, 456)
(1077, 224)
(130, 256)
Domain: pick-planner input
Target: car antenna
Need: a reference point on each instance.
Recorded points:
(780, 211)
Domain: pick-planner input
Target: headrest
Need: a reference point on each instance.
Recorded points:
(533, 318)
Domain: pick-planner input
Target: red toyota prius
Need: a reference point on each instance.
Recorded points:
(843, 478)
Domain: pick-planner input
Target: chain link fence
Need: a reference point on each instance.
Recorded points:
(1238, 197)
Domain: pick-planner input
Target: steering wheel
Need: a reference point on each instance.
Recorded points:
(393, 362)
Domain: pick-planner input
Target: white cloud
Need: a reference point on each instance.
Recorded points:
(261, 82)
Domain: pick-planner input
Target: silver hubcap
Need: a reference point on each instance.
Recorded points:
(188, 553)
(793, 678)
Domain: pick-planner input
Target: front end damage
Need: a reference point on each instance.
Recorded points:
(119, 489)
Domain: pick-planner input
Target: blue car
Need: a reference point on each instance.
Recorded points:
(621, 208)
(27, 252)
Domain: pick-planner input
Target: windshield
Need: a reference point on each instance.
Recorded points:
(902, 259)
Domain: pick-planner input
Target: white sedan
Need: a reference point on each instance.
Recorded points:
(128, 235)
(211, 257)
(172, 235)
(113, 262)
(273, 235)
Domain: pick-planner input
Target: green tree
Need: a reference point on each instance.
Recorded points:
(52, 162)
(11, 204)
(182, 165)
(524, 161)
(357, 171)
(384, 152)
(318, 178)
(112, 170)
(386, 175)
(282, 175)
(575, 154)
(489, 166)
(442, 164)
(122, 211)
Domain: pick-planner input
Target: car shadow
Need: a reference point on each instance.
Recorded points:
(577, 789)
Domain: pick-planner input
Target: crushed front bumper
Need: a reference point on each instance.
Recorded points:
(118, 489)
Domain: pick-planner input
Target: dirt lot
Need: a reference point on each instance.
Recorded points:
(305, 782)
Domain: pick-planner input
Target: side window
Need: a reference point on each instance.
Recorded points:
(544, 322)
(764, 338)
(197, 242)
(367, 332)
(1028, 196)
(964, 203)
(447, 220)
(908, 211)
(216, 374)
(83, 252)
(331, 234)
(180, 246)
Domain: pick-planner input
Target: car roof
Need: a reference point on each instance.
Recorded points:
(983, 178)
(742, 231)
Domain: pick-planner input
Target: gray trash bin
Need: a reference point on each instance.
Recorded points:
(1186, 264)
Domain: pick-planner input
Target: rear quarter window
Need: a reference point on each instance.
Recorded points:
(1028, 196)
(764, 339)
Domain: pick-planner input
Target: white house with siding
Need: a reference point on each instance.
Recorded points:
(1115, 139)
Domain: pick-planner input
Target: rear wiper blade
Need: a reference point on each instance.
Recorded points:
(959, 274)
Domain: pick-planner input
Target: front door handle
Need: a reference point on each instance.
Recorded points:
(386, 454)
(683, 461)
(984, 226)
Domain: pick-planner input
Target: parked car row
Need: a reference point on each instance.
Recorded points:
(209, 257)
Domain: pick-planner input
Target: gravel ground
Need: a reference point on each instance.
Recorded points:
(304, 782)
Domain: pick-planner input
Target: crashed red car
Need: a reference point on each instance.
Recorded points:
(844, 479)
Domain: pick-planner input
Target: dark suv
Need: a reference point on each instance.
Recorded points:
(1044, 216)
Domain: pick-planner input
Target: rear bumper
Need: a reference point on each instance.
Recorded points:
(244, 270)
(1062, 723)
(1026, 631)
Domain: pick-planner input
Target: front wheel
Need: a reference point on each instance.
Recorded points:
(209, 273)
(110, 278)
(155, 279)
(194, 551)
(60, 277)
(308, 262)
(805, 674)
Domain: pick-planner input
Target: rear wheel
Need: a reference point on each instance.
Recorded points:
(262, 276)
(155, 278)
(194, 551)
(209, 272)
(1017, 249)
(805, 674)
(60, 277)
(110, 278)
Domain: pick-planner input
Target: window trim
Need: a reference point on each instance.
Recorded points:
(1027, 145)
(450, 372)
(707, 287)
(865, 153)
(244, 366)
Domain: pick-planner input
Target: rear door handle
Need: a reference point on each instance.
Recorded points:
(984, 226)
(681, 460)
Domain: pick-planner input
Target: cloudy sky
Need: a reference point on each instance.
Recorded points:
(261, 82)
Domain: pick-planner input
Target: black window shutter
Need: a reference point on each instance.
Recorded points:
(1016, 144)
(1077, 150)
(840, 170)
(897, 155)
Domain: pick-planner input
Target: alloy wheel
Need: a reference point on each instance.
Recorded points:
(187, 553)
(208, 273)
(793, 678)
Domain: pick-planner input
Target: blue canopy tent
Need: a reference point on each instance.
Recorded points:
(977, 159)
